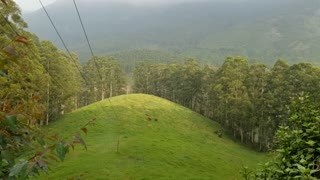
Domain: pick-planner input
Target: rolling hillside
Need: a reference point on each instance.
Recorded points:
(207, 30)
(158, 140)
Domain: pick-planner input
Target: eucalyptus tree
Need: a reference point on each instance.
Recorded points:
(206, 97)
(303, 78)
(235, 102)
(192, 83)
(256, 84)
(63, 87)
(104, 78)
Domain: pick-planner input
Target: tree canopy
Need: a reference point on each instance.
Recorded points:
(250, 100)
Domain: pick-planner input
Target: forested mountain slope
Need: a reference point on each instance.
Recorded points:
(158, 139)
(209, 31)
(130, 58)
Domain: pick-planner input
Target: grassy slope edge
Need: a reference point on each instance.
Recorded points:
(158, 140)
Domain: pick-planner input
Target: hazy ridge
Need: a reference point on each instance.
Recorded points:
(209, 31)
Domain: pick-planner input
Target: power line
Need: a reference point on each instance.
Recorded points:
(89, 45)
(85, 34)
(36, 57)
(32, 52)
(96, 64)
(64, 44)
(18, 34)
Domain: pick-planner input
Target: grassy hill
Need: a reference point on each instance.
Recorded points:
(158, 140)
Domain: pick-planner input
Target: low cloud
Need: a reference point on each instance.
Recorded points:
(31, 5)
(159, 2)
(147, 2)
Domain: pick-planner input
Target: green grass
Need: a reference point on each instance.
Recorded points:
(181, 144)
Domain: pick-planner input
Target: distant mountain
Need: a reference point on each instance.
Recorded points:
(129, 58)
(263, 30)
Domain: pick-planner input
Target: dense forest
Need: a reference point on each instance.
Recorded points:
(255, 102)
(250, 100)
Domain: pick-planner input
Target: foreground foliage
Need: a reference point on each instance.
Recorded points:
(298, 145)
(16, 136)
(24, 82)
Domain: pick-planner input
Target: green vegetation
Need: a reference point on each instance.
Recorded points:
(297, 145)
(31, 68)
(103, 78)
(39, 83)
(145, 137)
(250, 100)
(157, 140)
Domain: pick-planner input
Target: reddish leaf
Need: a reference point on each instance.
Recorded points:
(6, 108)
(24, 68)
(5, 2)
(35, 97)
(85, 130)
(5, 133)
(22, 39)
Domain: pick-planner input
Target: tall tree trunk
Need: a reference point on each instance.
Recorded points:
(75, 101)
(95, 90)
(48, 104)
(193, 101)
(48, 97)
(102, 92)
(241, 135)
(111, 89)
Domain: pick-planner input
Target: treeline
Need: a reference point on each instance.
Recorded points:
(36, 72)
(72, 85)
(250, 100)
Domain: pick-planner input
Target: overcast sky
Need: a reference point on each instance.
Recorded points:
(31, 5)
